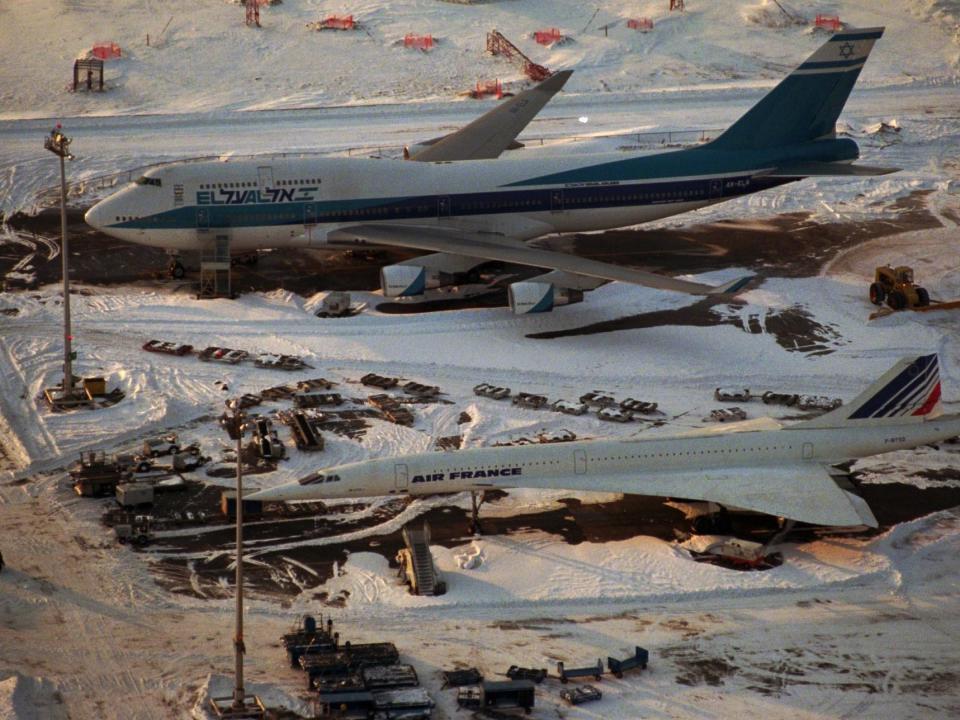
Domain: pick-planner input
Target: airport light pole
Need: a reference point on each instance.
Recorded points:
(239, 693)
(59, 144)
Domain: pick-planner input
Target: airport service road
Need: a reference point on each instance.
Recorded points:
(108, 144)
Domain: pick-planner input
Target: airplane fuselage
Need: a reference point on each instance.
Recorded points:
(655, 466)
(276, 201)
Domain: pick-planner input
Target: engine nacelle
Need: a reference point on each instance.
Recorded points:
(410, 280)
(537, 297)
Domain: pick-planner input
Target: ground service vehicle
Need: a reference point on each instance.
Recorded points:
(732, 394)
(896, 286)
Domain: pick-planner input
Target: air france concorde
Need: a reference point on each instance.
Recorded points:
(784, 471)
(465, 207)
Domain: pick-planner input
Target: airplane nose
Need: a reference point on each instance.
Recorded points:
(274, 494)
(96, 216)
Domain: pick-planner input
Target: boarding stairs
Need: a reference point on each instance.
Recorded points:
(423, 573)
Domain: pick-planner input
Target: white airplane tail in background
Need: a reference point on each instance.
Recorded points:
(909, 391)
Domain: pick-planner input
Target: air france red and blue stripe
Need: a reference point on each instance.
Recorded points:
(913, 391)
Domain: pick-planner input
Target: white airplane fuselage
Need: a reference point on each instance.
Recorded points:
(646, 465)
(277, 202)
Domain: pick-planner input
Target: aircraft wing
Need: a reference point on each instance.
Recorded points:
(492, 133)
(803, 492)
(491, 246)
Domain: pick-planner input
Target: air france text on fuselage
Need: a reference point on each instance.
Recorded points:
(467, 475)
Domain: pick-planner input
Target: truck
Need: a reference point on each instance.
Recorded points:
(136, 529)
(895, 285)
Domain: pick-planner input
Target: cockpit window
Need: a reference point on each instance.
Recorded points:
(144, 180)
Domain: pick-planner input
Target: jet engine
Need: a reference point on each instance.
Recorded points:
(532, 296)
(410, 280)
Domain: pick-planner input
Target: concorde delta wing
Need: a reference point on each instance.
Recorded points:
(495, 131)
(803, 492)
(498, 247)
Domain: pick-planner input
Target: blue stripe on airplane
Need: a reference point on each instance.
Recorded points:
(853, 35)
(917, 371)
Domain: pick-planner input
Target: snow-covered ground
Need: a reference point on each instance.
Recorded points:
(844, 628)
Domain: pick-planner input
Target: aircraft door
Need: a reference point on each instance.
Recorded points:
(309, 214)
(264, 177)
(443, 206)
(203, 218)
(716, 188)
(808, 451)
(579, 462)
(556, 201)
(402, 476)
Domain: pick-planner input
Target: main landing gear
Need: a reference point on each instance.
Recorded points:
(175, 269)
(475, 502)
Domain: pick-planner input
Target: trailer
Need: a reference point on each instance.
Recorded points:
(316, 399)
(380, 381)
(97, 476)
(305, 436)
(348, 658)
(346, 704)
(420, 390)
(502, 694)
(537, 675)
(134, 494)
(416, 565)
(410, 703)
(310, 638)
(639, 659)
(566, 674)
(388, 677)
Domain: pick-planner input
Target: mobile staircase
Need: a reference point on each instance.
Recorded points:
(416, 563)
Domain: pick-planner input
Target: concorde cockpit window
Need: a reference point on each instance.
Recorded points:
(144, 180)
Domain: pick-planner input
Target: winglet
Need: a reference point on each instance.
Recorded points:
(731, 288)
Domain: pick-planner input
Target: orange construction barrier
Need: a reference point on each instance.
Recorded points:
(420, 42)
(547, 37)
(828, 22)
(338, 22)
(488, 87)
(106, 50)
(642, 24)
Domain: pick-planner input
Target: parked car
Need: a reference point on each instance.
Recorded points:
(569, 408)
(494, 392)
(638, 406)
(771, 397)
(732, 414)
(529, 400)
(732, 395)
(164, 445)
(581, 694)
(597, 399)
(818, 402)
(614, 414)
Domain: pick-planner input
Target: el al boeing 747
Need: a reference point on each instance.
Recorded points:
(788, 471)
(466, 206)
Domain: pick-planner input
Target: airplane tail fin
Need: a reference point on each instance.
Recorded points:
(806, 104)
(909, 391)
